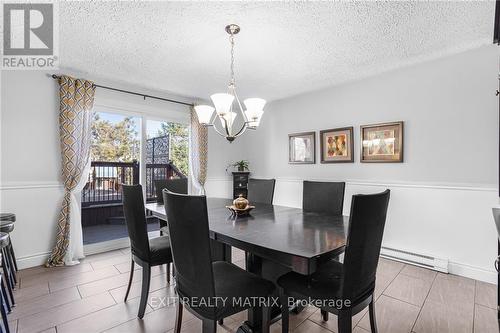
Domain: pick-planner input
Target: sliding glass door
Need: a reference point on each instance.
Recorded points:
(167, 153)
(115, 160)
(127, 148)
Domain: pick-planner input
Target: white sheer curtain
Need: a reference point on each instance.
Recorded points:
(198, 153)
(75, 245)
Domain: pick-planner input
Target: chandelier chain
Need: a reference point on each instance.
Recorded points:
(231, 40)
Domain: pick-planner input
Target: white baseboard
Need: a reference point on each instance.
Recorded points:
(472, 272)
(34, 260)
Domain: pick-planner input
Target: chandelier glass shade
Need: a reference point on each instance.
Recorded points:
(228, 108)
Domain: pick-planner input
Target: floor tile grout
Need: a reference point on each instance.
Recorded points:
(423, 304)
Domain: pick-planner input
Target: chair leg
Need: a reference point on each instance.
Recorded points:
(4, 296)
(11, 250)
(345, 322)
(146, 278)
(168, 273)
(4, 317)
(7, 282)
(209, 326)
(285, 312)
(324, 315)
(373, 321)
(178, 318)
(132, 266)
(8, 259)
(7, 271)
(266, 319)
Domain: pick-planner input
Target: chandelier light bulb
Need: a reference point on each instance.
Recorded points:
(222, 103)
(204, 113)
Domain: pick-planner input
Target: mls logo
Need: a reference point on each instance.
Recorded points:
(29, 36)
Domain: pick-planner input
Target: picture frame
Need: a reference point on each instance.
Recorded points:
(337, 145)
(302, 148)
(382, 143)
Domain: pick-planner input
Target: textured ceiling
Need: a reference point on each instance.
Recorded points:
(284, 48)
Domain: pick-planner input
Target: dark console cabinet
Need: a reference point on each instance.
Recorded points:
(240, 183)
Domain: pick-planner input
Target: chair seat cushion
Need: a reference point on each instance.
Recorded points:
(234, 282)
(160, 252)
(323, 284)
(10, 217)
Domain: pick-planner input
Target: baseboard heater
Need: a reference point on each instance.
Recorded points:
(426, 261)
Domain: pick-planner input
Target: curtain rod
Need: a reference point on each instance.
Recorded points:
(54, 76)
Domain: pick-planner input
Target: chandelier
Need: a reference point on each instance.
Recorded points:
(228, 105)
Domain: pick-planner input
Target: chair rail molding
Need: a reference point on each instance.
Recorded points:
(29, 185)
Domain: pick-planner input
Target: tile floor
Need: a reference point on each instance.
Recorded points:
(89, 298)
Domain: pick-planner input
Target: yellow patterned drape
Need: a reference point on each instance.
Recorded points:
(198, 151)
(75, 118)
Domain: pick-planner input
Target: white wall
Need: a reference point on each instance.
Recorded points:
(30, 184)
(443, 192)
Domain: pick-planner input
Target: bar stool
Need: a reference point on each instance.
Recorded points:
(6, 267)
(4, 325)
(9, 218)
(8, 227)
(5, 300)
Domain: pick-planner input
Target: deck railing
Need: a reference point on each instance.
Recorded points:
(105, 178)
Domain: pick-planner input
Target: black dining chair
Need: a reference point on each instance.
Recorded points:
(197, 277)
(323, 197)
(345, 289)
(145, 252)
(176, 185)
(261, 190)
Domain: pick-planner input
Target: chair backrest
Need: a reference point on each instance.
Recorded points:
(135, 217)
(177, 185)
(261, 190)
(323, 197)
(190, 241)
(364, 239)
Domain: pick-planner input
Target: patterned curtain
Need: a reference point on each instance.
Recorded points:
(198, 152)
(75, 118)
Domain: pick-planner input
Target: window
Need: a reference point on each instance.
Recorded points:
(167, 153)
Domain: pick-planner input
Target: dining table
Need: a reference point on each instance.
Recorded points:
(277, 240)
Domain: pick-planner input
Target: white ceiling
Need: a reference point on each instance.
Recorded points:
(284, 48)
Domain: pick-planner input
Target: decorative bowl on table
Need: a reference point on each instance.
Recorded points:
(240, 206)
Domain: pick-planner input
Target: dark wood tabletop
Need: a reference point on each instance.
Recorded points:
(289, 236)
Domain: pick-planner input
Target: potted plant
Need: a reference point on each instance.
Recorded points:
(240, 165)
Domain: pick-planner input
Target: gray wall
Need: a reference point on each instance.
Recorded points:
(450, 113)
(441, 196)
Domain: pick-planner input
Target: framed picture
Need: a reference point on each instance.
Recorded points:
(382, 142)
(337, 145)
(302, 148)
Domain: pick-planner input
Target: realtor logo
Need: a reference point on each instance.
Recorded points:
(29, 36)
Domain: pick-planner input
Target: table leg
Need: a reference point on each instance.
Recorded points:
(270, 271)
(253, 324)
(220, 251)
